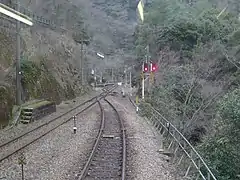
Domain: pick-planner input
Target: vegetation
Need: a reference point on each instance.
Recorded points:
(81, 37)
(38, 82)
(6, 50)
(198, 57)
(6, 104)
(222, 148)
(6, 60)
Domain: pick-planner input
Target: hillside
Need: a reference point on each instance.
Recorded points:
(51, 57)
(196, 44)
(109, 24)
(197, 84)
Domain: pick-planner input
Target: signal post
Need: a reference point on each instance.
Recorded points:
(148, 69)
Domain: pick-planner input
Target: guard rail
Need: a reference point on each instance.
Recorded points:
(180, 146)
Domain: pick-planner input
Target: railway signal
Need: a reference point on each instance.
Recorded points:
(148, 69)
(153, 67)
(145, 67)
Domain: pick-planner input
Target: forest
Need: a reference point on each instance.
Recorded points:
(197, 46)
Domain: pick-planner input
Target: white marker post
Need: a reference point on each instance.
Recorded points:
(74, 125)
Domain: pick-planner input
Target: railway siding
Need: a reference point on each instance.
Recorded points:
(8, 134)
(54, 156)
(22, 143)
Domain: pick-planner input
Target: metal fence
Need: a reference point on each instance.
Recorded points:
(194, 166)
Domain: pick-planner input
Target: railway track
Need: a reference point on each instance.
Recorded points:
(18, 143)
(107, 159)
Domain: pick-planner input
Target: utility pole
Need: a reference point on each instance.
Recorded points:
(95, 78)
(81, 63)
(143, 75)
(147, 61)
(101, 77)
(18, 65)
(112, 74)
(130, 79)
(143, 86)
(126, 78)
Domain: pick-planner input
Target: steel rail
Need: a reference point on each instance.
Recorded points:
(100, 132)
(174, 134)
(103, 95)
(124, 155)
(88, 163)
(52, 120)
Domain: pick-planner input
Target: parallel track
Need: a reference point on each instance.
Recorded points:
(28, 133)
(107, 159)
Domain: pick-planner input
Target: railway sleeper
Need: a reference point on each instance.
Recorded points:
(101, 178)
(105, 168)
(105, 174)
(110, 142)
(109, 153)
(108, 136)
(110, 149)
(106, 163)
(103, 158)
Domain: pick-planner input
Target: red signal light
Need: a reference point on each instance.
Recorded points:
(153, 67)
(145, 67)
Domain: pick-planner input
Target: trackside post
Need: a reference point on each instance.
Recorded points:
(74, 125)
(137, 99)
(22, 161)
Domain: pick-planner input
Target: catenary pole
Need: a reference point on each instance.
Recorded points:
(18, 63)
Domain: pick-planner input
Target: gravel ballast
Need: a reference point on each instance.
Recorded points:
(143, 142)
(7, 134)
(59, 155)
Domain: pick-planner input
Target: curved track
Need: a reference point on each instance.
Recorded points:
(8, 148)
(107, 159)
